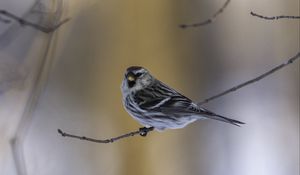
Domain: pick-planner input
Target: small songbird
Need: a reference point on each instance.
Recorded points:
(154, 104)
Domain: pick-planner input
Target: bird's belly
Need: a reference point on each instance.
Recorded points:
(161, 122)
(158, 120)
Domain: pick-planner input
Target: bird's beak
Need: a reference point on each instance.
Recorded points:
(130, 78)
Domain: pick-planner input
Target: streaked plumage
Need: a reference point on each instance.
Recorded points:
(155, 104)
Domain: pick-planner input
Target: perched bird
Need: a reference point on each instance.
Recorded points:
(154, 104)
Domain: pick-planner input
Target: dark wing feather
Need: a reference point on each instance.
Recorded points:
(168, 101)
(162, 98)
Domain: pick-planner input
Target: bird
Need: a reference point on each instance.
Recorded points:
(156, 105)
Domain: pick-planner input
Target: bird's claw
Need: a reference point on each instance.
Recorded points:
(144, 131)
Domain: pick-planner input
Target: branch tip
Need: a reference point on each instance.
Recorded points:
(273, 17)
(207, 21)
(61, 132)
(24, 22)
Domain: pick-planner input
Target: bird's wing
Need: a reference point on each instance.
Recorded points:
(173, 103)
(183, 106)
(161, 98)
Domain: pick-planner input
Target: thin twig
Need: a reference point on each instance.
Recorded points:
(142, 131)
(24, 22)
(208, 21)
(274, 17)
(290, 61)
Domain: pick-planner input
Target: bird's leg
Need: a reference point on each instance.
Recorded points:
(144, 131)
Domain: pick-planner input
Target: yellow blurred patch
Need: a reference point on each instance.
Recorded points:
(131, 78)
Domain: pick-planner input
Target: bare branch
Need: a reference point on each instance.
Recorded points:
(208, 21)
(24, 22)
(274, 17)
(6, 21)
(290, 61)
(142, 132)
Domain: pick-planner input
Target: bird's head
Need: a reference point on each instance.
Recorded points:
(136, 78)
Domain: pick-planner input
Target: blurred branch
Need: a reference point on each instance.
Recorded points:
(3, 20)
(24, 22)
(142, 132)
(208, 21)
(289, 61)
(274, 17)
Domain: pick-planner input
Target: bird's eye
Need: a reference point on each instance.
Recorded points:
(138, 74)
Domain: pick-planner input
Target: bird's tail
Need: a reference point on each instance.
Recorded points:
(225, 119)
(211, 115)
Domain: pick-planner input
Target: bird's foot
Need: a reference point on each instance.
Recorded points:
(144, 131)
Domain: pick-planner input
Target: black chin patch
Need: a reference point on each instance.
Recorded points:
(131, 83)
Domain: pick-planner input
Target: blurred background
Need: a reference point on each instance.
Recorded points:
(70, 79)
